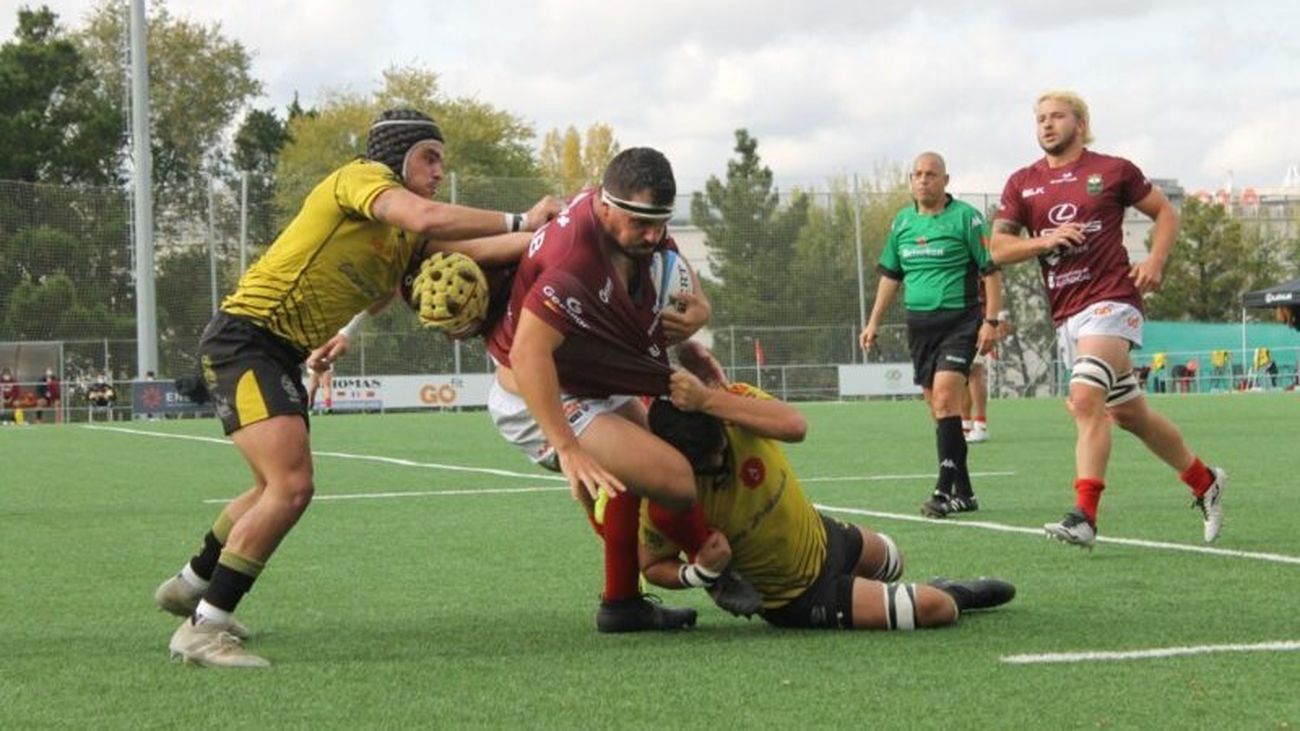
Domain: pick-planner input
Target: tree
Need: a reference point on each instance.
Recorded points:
(1213, 263)
(575, 164)
(488, 150)
(750, 238)
(54, 126)
(258, 144)
(199, 81)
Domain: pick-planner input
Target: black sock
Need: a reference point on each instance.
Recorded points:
(227, 588)
(952, 457)
(203, 562)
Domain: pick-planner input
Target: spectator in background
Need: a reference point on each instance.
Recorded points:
(47, 395)
(102, 397)
(8, 395)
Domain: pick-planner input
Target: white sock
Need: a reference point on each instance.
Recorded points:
(194, 580)
(210, 614)
(965, 425)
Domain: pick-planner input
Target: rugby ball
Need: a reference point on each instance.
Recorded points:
(671, 276)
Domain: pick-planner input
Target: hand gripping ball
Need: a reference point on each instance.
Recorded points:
(450, 293)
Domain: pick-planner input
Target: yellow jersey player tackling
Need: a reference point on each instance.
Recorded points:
(809, 570)
(345, 252)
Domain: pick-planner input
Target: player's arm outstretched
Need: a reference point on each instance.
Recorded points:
(766, 417)
(449, 222)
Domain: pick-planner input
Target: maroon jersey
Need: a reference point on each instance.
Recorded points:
(1093, 192)
(614, 340)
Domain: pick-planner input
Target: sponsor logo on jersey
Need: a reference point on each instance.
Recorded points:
(1066, 177)
(606, 290)
(1094, 184)
(928, 251)
(1060, 281)
(752, 472)
(1031, 192)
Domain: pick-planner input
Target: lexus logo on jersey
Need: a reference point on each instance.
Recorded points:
(752, 472)
(1062, 213)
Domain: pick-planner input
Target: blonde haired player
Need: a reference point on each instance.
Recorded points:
(1073, 202)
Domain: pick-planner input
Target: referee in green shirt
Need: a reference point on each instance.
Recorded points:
(938, 251)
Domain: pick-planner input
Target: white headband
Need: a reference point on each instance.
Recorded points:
(647, 211)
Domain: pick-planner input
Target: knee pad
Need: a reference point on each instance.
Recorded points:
(1126, 389)
(900, 606)
(892, 568)
(1094, 373)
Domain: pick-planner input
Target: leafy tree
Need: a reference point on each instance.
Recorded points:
(1214, 261)
(574, 163)
(258, 144)
(54, 126)
(751, 239)
(199, 81)
(488, 149)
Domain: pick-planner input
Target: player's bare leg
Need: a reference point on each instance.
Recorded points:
(880, 558)
(279, 450)
(1163, 438)
(898, 606)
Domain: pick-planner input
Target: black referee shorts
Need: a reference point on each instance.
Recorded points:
(251, 373)
(828, 603)
(943, 340)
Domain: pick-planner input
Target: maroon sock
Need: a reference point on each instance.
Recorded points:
(1198, 477)
(687, 529)
(1087, 495)
(622, 571)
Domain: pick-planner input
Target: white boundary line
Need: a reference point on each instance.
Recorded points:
(484, 470)
(1258, 556)
(421, 493)
(1209, 550)
(1073, 657)
(873, 478)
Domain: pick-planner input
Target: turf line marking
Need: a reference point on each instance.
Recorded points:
(1073, 657)
(1210, 550)
(871, 478)
(422, 493)
(346, 455)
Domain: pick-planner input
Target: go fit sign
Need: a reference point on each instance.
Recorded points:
(414, 392)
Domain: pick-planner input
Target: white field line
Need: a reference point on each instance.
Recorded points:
(484, 470)
(1073, 657)
(1270, 557)
(873, 478)
(1209, 550)
(346, 455)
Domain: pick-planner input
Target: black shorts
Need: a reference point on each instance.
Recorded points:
(251, 373)
(944, 340)
(828, 603)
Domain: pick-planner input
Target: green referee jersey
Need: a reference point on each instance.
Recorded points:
(939, 257)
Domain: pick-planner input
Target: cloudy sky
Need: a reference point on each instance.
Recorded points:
(1196, 91)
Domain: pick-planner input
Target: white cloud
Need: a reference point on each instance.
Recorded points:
(828, 87)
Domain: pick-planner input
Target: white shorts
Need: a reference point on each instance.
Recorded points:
(1115, 319)
(516, 423)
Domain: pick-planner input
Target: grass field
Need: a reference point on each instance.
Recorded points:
(439, 580)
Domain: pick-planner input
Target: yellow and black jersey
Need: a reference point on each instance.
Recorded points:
(778, 541)
(332, 261)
